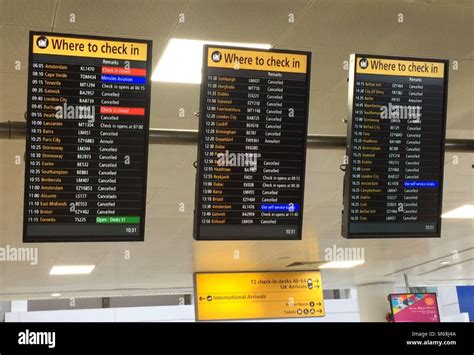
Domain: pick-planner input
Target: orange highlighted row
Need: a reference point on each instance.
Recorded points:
(117, 110)
(123, 71)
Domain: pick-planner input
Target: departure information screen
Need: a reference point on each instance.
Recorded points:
(395, 148)
(252, 144)
(87, 138)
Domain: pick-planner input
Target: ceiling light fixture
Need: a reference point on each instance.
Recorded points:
(71, 270)
(55, 295)
(341, 264)
(181, 61)
(466, 211)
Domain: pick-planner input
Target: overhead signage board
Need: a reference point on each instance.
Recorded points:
(87, 138)
(393, 184)
(414, 307)
(252, 144)
(258, 295)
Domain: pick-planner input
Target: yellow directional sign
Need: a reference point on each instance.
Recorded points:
(258, 295)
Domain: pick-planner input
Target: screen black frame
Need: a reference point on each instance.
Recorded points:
(345, 231)
(199, 168)
(74, 239)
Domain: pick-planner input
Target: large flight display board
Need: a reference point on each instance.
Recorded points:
(252, 144)
(87, 138)
(393, 183)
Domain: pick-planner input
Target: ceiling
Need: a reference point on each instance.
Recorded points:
(331, 30)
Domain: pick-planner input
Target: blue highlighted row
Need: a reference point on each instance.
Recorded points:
(285, 207)
(123, 79)
(425, 184)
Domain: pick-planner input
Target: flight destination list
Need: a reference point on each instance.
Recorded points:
(87, 138)
(251, 158)
(393, 184)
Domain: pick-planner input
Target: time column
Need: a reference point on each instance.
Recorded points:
(35, 139)
(209, 152)
(355, 189)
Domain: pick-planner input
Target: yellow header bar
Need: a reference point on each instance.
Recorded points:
(256, 60)
(399, 67)
(258, 295)
(87, 47)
